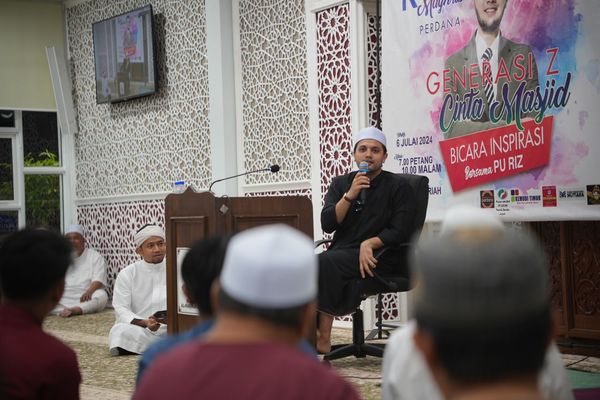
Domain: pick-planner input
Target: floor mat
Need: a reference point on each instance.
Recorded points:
(583, 380)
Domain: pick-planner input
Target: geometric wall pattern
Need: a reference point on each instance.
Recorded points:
(109, 228)
(145, 144)
(333, 69)
(274, 89)
(373, 72)
(333, 79)
(389, 302)
(334, 83)
(292, 192)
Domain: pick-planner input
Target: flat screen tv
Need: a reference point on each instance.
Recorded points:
(124, 56)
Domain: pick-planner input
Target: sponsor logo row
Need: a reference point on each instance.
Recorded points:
(550, 196)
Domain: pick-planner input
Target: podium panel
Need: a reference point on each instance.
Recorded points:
(191, 216)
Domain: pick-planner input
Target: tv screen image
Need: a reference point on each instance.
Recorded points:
(124, 56)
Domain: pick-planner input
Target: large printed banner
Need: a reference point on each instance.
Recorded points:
(497, 102)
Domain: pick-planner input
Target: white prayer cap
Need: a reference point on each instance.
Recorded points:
(147, 232)
(461, 218)
(270, 267)
(370, 133)
(74, 228)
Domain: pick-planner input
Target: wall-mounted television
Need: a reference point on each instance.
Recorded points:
(124, 56)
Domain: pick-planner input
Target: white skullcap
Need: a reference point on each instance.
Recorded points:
(147, 232)
(463, 217)
(270, 267)
(74, 228)
(370, 133)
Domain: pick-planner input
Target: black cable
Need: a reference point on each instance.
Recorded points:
(577, 362)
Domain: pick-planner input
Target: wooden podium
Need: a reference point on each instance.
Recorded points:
(190, 216)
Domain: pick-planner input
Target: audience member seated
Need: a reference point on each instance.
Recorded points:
(405, 374)
(483, 315)
(367, 210)
(199, 269)
(33, 364)
(86, 278)
(140, 292)
(266, 304)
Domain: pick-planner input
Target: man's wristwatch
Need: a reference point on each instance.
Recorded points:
(348, 199)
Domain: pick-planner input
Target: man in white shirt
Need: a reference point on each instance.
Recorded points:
(85, 280)
(140, 292)
(405, 372)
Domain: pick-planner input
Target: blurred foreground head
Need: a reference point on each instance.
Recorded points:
(33, 262)
(482, 297)
(270, 272)
(200, 268)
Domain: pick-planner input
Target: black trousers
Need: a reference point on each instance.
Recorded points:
(339, 274)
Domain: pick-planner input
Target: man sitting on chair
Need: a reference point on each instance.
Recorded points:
(366, 210)
(85, 280)
(140, 291)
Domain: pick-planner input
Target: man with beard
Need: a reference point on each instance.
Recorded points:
(140, 292)
(85, 280)
(497, 63)
(367, 210)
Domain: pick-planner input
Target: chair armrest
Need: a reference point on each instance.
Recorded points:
(393, 286)
(389, 284)
(379, 252)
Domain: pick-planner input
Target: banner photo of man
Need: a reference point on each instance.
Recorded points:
(496, 102)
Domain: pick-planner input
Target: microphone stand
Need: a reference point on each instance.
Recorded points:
(273, 168)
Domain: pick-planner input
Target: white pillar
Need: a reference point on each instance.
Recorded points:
(221, 85)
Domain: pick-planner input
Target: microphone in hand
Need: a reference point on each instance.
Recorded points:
(363, 167)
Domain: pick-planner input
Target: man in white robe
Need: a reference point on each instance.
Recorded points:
(85, 280)
(140, 292)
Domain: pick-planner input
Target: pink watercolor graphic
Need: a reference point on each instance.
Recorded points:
(556, 27)
(548, 65)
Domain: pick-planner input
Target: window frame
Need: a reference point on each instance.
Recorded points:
(19, 171)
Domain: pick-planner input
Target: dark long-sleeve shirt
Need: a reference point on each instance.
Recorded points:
(388, 212)
(34, 364)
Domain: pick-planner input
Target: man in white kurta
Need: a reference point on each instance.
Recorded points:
(405, 372)
(140, 291)
(85, 280)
